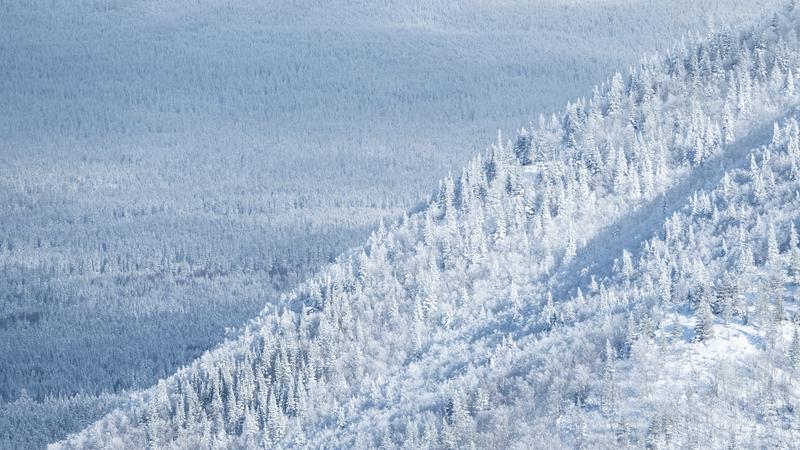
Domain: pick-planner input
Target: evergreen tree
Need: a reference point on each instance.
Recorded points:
(727, 293)
(276, 421)
(610, 396)
(522, 148)
(794, 350)
(627, 265)
(773, 253)
(788, 86)
(571, 250)
(614, 96)
(677, 328)
(549, 315)
(631, 334)
(794, 255)
(704, 322)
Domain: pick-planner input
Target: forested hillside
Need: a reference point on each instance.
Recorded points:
(623, 273)
(169, 167)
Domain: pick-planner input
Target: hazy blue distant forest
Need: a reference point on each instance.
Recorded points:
(533, 224)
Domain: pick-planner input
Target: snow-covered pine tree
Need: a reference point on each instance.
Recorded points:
(704, 322)
(610, 397)
(794, 255)
(794, 350)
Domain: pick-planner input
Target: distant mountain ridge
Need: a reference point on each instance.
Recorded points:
(550, 295)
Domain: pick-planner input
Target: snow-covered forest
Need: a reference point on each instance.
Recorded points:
(619, 272)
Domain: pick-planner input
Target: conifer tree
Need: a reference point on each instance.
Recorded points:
(627, 265)
(549, 314)
(677, 328)
(704, 322)
(794, 350)
(610, 396)
(632, 333)
(570, 251)
(794, 255)
(614, 99)
(276, 422)
(788, 86)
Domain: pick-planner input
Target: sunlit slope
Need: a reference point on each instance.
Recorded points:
(523, 305)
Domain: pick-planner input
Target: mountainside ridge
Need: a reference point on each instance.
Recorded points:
(429, 334)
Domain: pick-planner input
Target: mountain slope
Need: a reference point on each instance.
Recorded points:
(168, 167)
(457, 325)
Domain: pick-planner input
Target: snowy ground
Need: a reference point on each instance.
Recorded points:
(168, 167)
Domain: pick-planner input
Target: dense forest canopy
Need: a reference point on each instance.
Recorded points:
(622, 273)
